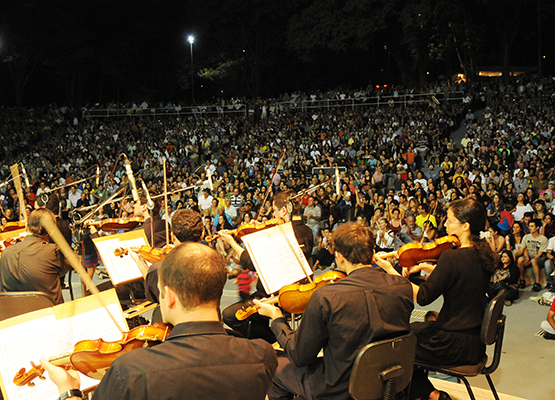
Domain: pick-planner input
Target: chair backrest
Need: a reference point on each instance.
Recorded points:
(17, 303)
(380, 361)
(492, 315)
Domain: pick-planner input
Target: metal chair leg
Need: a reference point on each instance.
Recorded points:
(468, 388)
(492, 387)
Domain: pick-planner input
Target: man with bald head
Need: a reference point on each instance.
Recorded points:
(198, 360)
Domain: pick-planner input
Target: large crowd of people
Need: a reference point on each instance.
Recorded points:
(349, 176)
(395, 162)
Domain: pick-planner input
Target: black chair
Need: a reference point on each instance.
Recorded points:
(17, 303)
(69, 285)
(493, 329)
(383, 369)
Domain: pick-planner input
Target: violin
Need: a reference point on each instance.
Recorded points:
(292, 298)
(12, 226)
(246, 229)
(150, 254)
(116, 224)
(415, 253)
(93, 357)
(14, 240)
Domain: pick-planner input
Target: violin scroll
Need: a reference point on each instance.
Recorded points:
(23, 377)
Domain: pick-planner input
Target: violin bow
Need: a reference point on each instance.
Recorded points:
(70, 256)
(17, 183)
(270, 186)
(165, 206)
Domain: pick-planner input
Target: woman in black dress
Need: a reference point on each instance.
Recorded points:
(461, 276)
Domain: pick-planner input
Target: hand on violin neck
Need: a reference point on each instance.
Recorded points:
(141, 263)
(268, 310)
(384, 264)
(63, 379)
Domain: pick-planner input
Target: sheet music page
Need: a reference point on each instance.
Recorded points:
(29, 341)
(49, 337)
(277, 257)
(120, 269)
(103, 328)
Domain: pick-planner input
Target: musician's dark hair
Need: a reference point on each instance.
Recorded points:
(187, 225)
(196, 273)
(52, 202)
(283, 199)
(355, 242)
(33, 222)
(473, 212)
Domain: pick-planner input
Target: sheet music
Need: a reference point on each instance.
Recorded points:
(120, 269)
(33, 338)
(48, 337)
(277, 257)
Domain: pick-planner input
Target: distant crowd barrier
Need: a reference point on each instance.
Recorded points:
(272, 106)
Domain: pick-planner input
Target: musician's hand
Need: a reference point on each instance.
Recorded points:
(141, 263)
(421, 267)
(268, 310)
(226, 237)
(64, 380)
(384, 264)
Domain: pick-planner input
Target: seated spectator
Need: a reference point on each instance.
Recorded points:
(532, 253)
(506, 277)
(549, 324)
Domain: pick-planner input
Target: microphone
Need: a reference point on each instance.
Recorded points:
(25, 175)
(97, 175)
(149, 202)
(209, 178)
(337, 188)
(131, 178)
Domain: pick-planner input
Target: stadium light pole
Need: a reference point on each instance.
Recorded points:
(191, 40)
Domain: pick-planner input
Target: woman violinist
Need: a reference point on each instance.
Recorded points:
(461, 276)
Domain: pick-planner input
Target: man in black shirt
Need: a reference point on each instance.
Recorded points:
(340, 318)
(289, 211)
(198, 360)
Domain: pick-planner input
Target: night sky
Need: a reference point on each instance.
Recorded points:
(84, 52)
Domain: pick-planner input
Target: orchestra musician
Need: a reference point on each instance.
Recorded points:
(151, 218)
(198, 360)
(186, 227)
(461, 276)
(366, 306)
(34, 264)
(51, 202)
(137, 289)
(289, 210)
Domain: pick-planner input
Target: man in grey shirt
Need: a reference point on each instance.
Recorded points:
(312, 215)
(411, 232)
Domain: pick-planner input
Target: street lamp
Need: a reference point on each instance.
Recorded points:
(191, 40)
